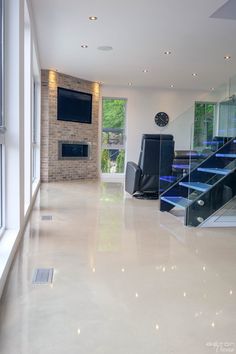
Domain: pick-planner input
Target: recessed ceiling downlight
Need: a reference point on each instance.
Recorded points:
(227, 57)
(194, 74)
(145, 70)
(168, 52)
(84, 46)
(93, 18)
(105, 48)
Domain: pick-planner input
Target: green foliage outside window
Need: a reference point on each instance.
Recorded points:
(105, 138)
(105, 161)
(203, 124)
(120, 162)
(113, 122)
(113, 113)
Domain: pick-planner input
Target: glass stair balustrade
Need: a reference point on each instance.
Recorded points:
(206, 188)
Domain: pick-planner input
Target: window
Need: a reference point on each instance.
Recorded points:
(1, 202)
(113, 135)
(1, 62)
(2, 128)
(204, 125)
(34, 132)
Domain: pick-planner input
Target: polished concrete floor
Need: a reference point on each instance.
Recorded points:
(127, 279)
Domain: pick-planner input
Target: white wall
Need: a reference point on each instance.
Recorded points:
(143, 104)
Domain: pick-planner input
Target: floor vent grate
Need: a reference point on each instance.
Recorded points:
(43, 276)
(46, 217)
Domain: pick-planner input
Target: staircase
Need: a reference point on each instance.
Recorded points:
(206, 188)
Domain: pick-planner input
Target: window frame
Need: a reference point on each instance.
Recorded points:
(2, 120)
(103, 147)
(34, 129)
(214, 122)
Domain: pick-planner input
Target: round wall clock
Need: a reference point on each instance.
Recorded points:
(161, 119)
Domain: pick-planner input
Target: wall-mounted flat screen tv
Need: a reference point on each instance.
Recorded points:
(74, 106)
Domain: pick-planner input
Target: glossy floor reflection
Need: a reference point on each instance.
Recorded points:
(128, 279)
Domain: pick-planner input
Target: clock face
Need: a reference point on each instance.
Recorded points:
(161, 119)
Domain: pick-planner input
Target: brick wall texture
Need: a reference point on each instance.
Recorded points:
(53, 130)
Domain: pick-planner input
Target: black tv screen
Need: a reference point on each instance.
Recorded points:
(74, 106)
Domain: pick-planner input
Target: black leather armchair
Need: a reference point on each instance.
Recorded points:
(156, 158)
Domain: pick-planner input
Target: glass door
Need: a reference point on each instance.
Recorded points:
(113, 135)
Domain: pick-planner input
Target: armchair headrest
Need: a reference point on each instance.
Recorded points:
(158, 136)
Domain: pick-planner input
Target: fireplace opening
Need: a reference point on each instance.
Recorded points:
(74, 150)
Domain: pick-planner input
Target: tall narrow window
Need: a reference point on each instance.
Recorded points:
(113, 135)
(204, 125)
(34, 133)
(2, 128)
(1, 62)
(1, 201)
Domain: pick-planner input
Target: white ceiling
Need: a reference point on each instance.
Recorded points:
(139, 32)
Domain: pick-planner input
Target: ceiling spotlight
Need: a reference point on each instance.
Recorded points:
(194, 74)
(130, 83)
(93, 18)
(227, 57)
(145, 71)
(171, 86)
(84, 46)
(212, 88)
(167, 52)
